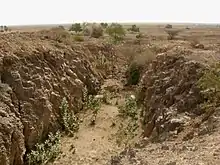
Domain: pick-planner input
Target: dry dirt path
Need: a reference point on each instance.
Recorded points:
(94, 145)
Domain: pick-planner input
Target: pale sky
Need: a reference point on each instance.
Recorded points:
(15, 12)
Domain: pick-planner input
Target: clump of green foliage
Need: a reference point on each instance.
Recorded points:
(210, 84)
(78, 38)
(129, 109)
(93, 104)
(104, 25)
(116, 32)
(46, 151)
(69, 121)
(127, 132)
(76, 27)
(128, 129)
(134, 28)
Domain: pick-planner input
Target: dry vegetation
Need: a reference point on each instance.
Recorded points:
(110, 94)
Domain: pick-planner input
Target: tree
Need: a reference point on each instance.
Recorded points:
(97, 31)
(76, 27)
(116, 32)
(104, 25)
(1, 28)
(134, 28)
(168, 26)
(172, 33)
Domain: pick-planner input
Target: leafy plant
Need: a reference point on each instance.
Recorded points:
(116, 32)
(210, 83)
(76, 27)
(94, 104)
(46, 151)
(129, 109)
(69, 122)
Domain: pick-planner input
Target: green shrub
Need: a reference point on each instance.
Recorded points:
(137, 64)
(134, 28)
(46, 151)
(93, 104)
(76, 27)
(78, 38)
(116, 32)
(104, 25)
(69, 122)
(129, 109)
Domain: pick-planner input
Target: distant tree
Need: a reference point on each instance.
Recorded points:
(5, 28)
(61, 27)
(104, 25)
(116, 32)
(134, 28)
(96, 30)
(172, 33)
(1, 28)
(76, 27)
(168, 26)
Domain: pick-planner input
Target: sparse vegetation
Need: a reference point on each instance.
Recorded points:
(78, 38)
(97, 31)
(210, 83)
(134, 28)
(116, 32)
(104, 25)
(139, 37)
(94, 104)
(129, 109)
(172, 33)
(76, 27)
(137, 63)
(69, 121)
(45, 152)
(4, 28)
(169, 26)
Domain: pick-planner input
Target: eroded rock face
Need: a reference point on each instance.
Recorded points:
(35, 76)
(170, 95)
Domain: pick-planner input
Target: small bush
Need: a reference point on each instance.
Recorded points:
(116, 32)
(168, 26)
(134, 28)
(93, 104)
(78, 38)
(104, 25)
(61, 27)
(46, 151)
(136, 66)
(76, 27)
(69, 122)
(172, 33)
(97, 31)
(129, 109)
(139, 37)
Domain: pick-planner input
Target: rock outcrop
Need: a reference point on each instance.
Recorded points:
(170, 95)
(36, 73)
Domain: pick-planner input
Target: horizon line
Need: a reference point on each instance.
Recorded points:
(122, 22)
